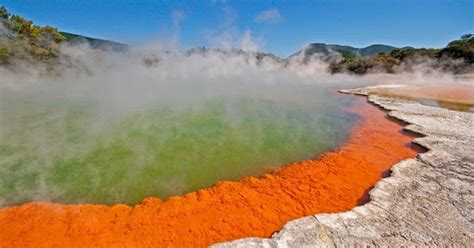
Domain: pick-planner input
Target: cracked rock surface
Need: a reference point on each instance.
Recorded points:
(427, 201)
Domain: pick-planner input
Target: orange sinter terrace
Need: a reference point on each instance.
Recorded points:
(251, 207)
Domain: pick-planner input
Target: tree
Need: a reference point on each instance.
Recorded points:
(20, 25)
(4, 15)
(4, 54)
(462, 48)
(28, 42)
(347, 55)
(52, 34)
(467, 36)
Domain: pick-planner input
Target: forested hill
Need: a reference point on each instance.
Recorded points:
(21, 40)
(325, 49)
(457, 57)
(94, 42)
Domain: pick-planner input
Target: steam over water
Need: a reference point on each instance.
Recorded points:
(126, 130)
(109, 128)
(52, 151)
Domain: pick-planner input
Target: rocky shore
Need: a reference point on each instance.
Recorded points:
(426, 201)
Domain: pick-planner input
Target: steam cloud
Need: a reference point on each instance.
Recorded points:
(269, 16)
(117, 84)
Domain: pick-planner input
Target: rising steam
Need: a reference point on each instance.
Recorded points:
(50, 117)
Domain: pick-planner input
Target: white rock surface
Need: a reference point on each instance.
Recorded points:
(427, 201)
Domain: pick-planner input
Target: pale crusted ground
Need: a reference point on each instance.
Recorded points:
(427, 201)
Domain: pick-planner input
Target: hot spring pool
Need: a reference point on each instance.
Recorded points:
(65, 151)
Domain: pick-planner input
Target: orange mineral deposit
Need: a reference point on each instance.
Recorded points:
(333, 182)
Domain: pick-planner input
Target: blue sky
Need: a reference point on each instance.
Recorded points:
(281, 27)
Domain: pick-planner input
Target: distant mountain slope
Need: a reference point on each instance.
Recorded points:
(457, 57)
(23, 42)
(257, 55)
(377, 48)
(93, 42)
(326, 49)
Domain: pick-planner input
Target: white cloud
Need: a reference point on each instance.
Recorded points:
(269, 16)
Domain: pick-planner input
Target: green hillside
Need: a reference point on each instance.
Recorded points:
(377, 48)
(22, 41)
(93, 42)
(326, 49)
(457, 57)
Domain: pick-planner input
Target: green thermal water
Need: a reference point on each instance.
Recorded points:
(64, 151)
